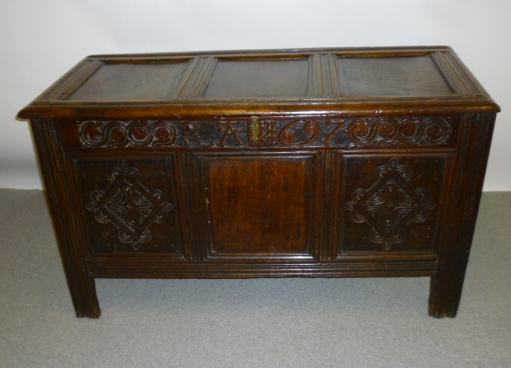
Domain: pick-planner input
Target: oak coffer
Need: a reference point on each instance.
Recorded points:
(273, 163)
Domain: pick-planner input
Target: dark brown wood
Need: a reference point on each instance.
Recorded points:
(260, 206)
(61, 203)
(465, 190)
(271, 163)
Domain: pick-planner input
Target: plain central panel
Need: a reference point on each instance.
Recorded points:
(258, 205)
(264, 78)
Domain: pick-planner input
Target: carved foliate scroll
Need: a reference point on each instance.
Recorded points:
(267, 132)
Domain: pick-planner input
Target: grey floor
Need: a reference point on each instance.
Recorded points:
(247, 323)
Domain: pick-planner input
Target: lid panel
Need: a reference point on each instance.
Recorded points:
(261, 78)
(347, 81)
(411, 76)
(124, 82)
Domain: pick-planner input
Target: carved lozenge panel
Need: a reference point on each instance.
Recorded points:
(390, 203)
(129, 205)
(261, 132)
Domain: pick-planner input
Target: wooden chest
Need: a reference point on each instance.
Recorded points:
(310, 163)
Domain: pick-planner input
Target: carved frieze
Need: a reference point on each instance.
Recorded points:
(109, 134)
(429, 130)
(267, 132)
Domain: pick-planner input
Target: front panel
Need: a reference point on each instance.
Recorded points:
(389, 203)
(260, 190)
(129, 206)
(259, 206)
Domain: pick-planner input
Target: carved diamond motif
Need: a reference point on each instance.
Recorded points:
(129, 206)
(390, 204)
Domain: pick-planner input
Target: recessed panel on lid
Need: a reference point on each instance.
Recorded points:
(151, 81)
(261, 78)
(414, 76)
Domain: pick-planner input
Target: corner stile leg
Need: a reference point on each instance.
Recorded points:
(58, 188)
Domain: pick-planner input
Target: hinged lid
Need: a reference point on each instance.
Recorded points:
(313, 81)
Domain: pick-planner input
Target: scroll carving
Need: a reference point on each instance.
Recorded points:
(390, 204)
(129, 207)
(263, 132)
(406, 130)
(127, 134)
